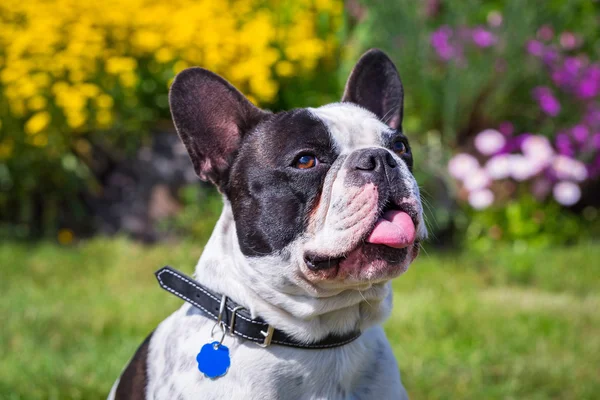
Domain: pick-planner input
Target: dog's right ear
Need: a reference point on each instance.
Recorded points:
(211, 117)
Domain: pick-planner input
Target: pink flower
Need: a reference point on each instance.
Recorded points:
(489, 142)
(568, 40)
(461, 165)
(569, 168)
(483, 38)
(498, 167)
(566, 193)
(481, 199)
(494, 18)
(476, 180)
(545, 33)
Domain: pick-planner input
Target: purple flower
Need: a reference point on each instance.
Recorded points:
(546, 100)
(440, 40)
(506, 128)
(596, 141)
(549, 55)
(564, 145)
(592, 116)
(535, 48)
(573, 66)
(483, 38)
(589, 85)
(580, 133)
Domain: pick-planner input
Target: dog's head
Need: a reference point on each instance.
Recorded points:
(324, 196)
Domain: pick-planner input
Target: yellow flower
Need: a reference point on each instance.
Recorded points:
(37, 123)
(284, 68)
(65, 236)
(37, 103)
(104, 101)
(104, 118)
(117, 65)
(6, 149)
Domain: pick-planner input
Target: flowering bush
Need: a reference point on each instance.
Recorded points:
(511, 108)
(71, 68)
(558, 163)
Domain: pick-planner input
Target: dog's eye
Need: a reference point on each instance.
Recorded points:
(306, 161)
(399, 146)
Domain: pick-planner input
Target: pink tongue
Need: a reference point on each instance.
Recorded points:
(394, 229)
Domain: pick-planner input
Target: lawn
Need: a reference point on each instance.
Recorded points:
(522, 325)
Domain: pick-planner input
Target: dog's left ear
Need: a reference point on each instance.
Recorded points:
(375, 84)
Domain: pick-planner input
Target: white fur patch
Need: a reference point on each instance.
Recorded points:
(351, 126)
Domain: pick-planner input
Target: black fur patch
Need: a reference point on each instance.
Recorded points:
(271, 199)
(132, 385)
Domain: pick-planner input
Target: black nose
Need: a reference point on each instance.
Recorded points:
(373, 160)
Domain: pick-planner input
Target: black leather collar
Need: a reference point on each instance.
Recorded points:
(256, 330)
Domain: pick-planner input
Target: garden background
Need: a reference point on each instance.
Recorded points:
(503, 113)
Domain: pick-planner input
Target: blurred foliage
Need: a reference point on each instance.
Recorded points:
(201, 208)
(465, 68)
(77, 76)
(526, 223)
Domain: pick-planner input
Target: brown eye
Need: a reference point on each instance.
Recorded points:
(306, 161)
(399, 147)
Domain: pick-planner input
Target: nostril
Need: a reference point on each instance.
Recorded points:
(390, 160)
(367, 163)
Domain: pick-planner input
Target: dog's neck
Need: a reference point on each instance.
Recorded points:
(260, 284)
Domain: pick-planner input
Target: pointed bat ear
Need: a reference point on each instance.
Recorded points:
(374, 84)
(211, 117)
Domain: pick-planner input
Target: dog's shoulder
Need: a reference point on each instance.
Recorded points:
(133, 380)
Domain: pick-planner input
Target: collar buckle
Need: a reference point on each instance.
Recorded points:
(268, 336)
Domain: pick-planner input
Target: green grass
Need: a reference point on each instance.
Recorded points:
(497, 326)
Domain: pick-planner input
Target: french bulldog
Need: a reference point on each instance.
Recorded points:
(321, 211)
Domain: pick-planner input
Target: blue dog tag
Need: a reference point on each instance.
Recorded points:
(213, 360)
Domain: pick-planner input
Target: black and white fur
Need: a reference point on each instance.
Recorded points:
(290, 243)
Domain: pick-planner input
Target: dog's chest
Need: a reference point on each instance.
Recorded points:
(363, 369)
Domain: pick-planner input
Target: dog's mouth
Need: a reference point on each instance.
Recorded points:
(392, 232)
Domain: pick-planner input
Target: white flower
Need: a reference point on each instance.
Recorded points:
(461, 165)
(476, 180)
(538, 148)
(489, 142)
(521, 168)
(481, 199)
(569, 168)
(566, 193)
(498, 167)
